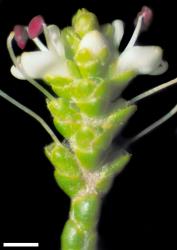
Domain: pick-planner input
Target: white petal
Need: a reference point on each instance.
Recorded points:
(16, 73)
(118, 31)
(93, 41)
(37, 64)
(143, 59)
(161, 68)
(53, 40)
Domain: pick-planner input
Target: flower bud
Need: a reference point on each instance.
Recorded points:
(93, 54)
(84, 21)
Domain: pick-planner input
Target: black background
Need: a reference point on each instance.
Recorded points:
(139, 212)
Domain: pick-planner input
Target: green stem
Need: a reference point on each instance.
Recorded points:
(80, 230)
(86, 189)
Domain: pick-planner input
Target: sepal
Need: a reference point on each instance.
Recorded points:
(91, 65)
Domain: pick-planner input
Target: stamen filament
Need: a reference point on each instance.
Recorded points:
(153, 91)
(32, 114)
(153, 126)
(159, 122)
(39, 44)
(135, 33)
(19, 67)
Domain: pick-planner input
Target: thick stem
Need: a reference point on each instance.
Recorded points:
(80, 230)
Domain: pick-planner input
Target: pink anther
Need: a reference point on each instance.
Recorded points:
(21, 36)
(35, 27)
(147, 15)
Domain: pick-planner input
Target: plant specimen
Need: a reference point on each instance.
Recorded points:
(87, 74)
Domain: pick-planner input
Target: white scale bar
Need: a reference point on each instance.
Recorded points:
(5, 244)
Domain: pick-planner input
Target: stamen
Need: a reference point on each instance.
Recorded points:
(153, 126)
(142, 22)
(147, 15)
(20, 68)
(136, 32)
(159, 122)
(39, 44)
(32, 114)
(152, 91)
(21, 36)
(35, 27)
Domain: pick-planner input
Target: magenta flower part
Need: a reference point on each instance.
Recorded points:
(21, 36)
(35, 27)
(147, 15)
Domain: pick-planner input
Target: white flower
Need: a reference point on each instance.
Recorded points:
(48, 60)
(51, 60)
(141, 59)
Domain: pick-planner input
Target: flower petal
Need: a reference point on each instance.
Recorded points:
(93, 41)
(53, 40)
(16, 73)
(143, 60)
(118, 31)
(38, 64)
(160, 69)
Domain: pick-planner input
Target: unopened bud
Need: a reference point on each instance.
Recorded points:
(84, 21)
